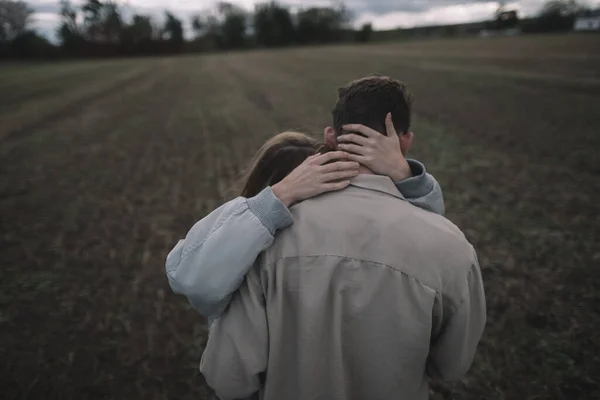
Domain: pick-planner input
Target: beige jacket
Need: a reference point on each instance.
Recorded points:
(364, 297)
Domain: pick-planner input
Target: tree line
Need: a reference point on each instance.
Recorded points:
(102, 28)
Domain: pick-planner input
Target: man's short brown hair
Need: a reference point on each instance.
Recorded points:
(367, 101)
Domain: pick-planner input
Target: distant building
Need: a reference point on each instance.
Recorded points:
(587, 21)
(508, 19)
(506, 23)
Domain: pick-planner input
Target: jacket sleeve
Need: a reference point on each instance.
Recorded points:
(422, 189)
(453, 350)
(211, 262)
(236, 354)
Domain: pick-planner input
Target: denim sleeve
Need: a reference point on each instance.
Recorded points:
(211, 262)
(422, 189)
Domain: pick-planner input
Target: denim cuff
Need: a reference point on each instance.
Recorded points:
(419, 185)
(273, 214)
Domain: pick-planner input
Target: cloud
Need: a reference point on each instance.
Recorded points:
(452, 14)
(45, 6)
(384, 7)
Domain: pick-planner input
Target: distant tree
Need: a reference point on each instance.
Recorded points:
(68, 15)
(562, 7)
(558, 15)
(501, 9)
(173, 30)
(15, 18)
(30, 45)
(102, 21)
(365, 33)
(321, 24)
(112, 22)
(233, 26)
(273, 25)
(197, 24)
(92, 19)
(141, 29)
(223, 26)
(69, 31)
(139, 37)
(17, 40)
(205, 23)
(207, 28)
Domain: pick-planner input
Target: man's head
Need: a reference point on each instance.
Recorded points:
(367, 101)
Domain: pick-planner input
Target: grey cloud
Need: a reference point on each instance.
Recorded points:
(380, 7)
(42, 6)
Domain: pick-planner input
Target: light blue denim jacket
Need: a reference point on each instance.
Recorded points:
(211, 262)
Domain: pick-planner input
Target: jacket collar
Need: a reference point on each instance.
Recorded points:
(378, 183)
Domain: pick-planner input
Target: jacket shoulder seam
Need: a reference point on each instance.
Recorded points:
(403, 272)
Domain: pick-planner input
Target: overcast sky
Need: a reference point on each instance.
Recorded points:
(383, 14)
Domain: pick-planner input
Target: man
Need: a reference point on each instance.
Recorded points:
(364, 297)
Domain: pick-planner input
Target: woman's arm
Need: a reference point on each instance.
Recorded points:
(211, 262)
(422, 189)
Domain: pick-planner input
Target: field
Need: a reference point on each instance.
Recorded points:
(105, 165)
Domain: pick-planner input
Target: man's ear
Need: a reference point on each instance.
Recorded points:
(405, 142)
(329, 138)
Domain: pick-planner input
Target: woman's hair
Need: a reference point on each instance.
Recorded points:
(279, 156)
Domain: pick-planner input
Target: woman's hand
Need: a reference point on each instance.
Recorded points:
(318, 174)
(380, 153)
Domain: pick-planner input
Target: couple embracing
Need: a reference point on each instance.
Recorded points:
(335, 275)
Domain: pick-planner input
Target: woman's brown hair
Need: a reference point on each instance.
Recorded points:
(279, 156)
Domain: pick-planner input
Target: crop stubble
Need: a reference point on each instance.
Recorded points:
(94, 195)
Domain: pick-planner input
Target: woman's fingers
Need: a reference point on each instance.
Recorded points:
(389, 125)
(336, 176)
(352, 148)
(332, 186)
(309, 158)
(313, 160)
(353, 138)
(339, 166)
(359, 159)
(365, 130)
(321, 159)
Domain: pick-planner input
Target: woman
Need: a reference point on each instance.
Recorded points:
(212, 261)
